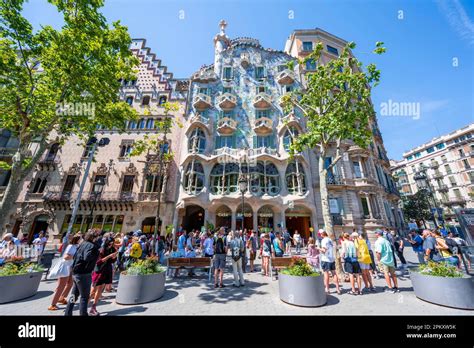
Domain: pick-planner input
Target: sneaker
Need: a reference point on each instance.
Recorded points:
(388, 290)
(222, 286)
(93, 312)
(372, 289)
(396, 290)
(215, 285)
(236, 286)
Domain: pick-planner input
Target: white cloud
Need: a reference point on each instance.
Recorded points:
(458, 19)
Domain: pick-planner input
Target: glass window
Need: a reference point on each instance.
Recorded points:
(150, 123)
(153, 184)
(430, 149)
(290, 134)
(262, 113)
(263, 141)
(332, 50)
(409, 158)
(204, 90)
(365, 207)
(129, 100)
(418, 155)
(307, 46)
(118, 224)
(227, 73)
(357, 170)
(193, 178)
(146, 100)
(197, 141)
(259, 72)
(440, 146)
(225, 141)
(162, 100)
(310, 64)
(295, 178)
(227, 90)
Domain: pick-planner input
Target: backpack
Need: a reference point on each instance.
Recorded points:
(453, 246)
(267, 246)
(236, 249)
(219, 245)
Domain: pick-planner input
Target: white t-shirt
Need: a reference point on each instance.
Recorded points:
(327, 244)
(297, 237)
(71, 250)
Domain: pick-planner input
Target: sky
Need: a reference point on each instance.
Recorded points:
(429, 61)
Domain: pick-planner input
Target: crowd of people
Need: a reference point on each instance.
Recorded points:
(89, 260)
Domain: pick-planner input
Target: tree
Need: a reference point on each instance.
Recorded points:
(159, 155)
(417, 206)
(55, 83)
(335, 102)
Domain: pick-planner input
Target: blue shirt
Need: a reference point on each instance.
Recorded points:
(181, 242)
(383, 247)
(419, 246)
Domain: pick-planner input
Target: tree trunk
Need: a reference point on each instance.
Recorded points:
(18, 175)
(328, 225)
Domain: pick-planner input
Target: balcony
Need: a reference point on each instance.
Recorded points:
(434, 164)
(262, 151)
(262, 101)
(376, 132)
(285, 77)
(335, 180)
(237, 153)
(438, 175)
(106, 196)
(263, 126)
(457, 200)
(245, 59)
(336, 219)
(443, 188)
(227, 101)
(149, 196)
(7, 152)
(201, 101)
(205, 75)
(392, 191)
(48, 162)
(199, 119)
(226, 125)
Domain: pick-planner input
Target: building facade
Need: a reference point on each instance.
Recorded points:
(448, 162)
(236, 128)
(128, 200)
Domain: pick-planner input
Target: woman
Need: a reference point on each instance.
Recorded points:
(65, 283)
(444, 250)
(297, 241)
(266, 253)
(252, 248)
(208, 245)
(278, 245)
(312, 258)
(103, 272)
(8, 252)
(351, 265)
(364, 260)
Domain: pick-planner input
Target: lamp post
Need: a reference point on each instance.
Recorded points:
(423, 183)
(243, 188)
(97, 191)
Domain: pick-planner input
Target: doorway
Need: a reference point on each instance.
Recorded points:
(40, 224)
(193, 218)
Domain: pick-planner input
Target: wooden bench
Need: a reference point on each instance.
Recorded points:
(279, 263)
(190, 262)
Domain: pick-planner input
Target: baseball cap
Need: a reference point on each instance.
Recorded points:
(355, 234)
(379, 232)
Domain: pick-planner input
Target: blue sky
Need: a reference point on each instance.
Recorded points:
(423, 43)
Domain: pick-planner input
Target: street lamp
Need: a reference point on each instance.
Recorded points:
(423, 183)
(243, 188)
(99, 184)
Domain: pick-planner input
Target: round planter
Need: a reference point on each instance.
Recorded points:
(450, 292)
(134, 289)
(18, 287)
(302, 291)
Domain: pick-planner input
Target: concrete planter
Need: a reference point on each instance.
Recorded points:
(302, 291)
(450, 292)
(135, 289)
(18, 287)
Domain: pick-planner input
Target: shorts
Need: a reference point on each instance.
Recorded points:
(219, 261)
(252, 254)
(328, 266)
(387, 269)
(351, 267)
(365, 266)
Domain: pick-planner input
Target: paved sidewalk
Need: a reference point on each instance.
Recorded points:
(191, 296)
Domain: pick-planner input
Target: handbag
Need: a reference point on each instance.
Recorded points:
(60, 268)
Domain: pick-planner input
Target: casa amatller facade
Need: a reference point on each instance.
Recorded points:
(233, 127)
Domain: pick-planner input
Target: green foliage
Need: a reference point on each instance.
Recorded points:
(417, 207)
(169, 228)
(81, 64)
(440, 269)
(14, 268)
(209, 226)
(300, 268)
(147, 266)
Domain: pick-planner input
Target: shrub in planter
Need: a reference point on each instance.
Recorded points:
(443, 284)
(299, 285)
(19, 280)
(143, 281)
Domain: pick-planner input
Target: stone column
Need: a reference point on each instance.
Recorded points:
(255, 218)
(233, 223)
(282, 219)
(367, 197)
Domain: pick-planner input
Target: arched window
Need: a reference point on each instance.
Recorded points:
(194, 178)
(290, 134)
(162, 100)
(225, 178)
(197, 141)
(129, 100)
(150, 123)
(132, 125)
(141, 124)
(295, 178)
(263, 178)
(146, 100)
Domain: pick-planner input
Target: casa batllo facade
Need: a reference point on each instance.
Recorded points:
(233, 125)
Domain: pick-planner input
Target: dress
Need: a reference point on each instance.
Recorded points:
(103, 271)
(312, 257)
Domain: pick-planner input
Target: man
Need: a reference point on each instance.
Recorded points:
(298, 241)
(389, 236)
(220, 252)
(417, 244)
(429, 247)
(40, 243)
(84, 262)
(399, 247)
(385, 258)
(244, 254)
(287, 241)
(7, 238)
(237, 250)
(252, 247)
(278, 245)
(328, 261)
(182, 244)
